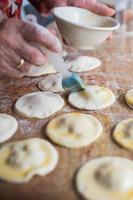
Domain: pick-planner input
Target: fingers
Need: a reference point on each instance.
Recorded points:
(38, 34)
(9, 71)
(101, 9)
(94, 6)
(12, 65)
(52, 31)
(48, 5)
(32, 55)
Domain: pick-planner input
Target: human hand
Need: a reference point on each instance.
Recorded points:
(16, 43)
(92, 5)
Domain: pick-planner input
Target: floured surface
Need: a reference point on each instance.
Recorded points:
(83, 64)
(39, 105)
(74, 130)
(8, 126)
(117, 74)
(92, 98)
(41, 70)
(106, 178)
(52, 83)
(20, 161)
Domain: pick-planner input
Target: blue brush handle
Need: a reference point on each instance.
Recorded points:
(73, 83)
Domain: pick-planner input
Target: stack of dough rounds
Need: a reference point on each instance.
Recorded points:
(74, 130)
(39, 104)
(8, 127)
(83, 64)
(123, 134)
(106, 178)
(92, 98)
(20, 161)
(41, 70)
(53, 83)
(129, 98)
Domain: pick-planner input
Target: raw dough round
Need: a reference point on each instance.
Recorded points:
(84, 64)
(74, 130)
(52, 83)
(21, 160)
(92, 98)
(106, 178)
(41, 70)
(8, 127)
(39, 104)
(129, 98)
(123, 134)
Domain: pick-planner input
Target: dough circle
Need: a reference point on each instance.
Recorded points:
(106, 178)
(92, 98)
(83, 64)
(8, 126)
(21, 160)
(74, 130)
(41, 70)
(39, 104)
(129, 98)
(123, 134)
(52, 83)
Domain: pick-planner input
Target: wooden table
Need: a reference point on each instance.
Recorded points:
(116, 73)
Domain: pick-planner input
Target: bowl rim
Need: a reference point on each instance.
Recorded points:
(115, 27)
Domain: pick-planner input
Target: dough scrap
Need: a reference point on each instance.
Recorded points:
(8, 126)
(39, 104)
(41, 70)
(129, 98)
(92, 98)
(52, 83)
(83, 64)
(123, 134)
(106, 178)
(21, 160)
(74, 130)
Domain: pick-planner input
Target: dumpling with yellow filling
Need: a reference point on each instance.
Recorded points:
(123, 134)
(92, 98)
(106, 178)
(74, 130)
(21, 160)
(129, 98)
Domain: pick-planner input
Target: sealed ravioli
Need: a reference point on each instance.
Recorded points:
(39, 104)
(83, 64)
(123, 134)
(129, 98)
(52, 83)
(106, 178)
(74, 130)
(21, 160)
(8, 126)
(35, 71)
(92, 98)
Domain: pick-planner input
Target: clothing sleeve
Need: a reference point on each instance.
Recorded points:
(11, 8)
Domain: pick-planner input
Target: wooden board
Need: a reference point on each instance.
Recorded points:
(116, 73)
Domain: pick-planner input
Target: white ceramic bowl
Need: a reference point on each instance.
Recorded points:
(81, 28)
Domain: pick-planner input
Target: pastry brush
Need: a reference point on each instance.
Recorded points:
(71, 81)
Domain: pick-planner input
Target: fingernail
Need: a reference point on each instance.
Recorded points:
(58, 46)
